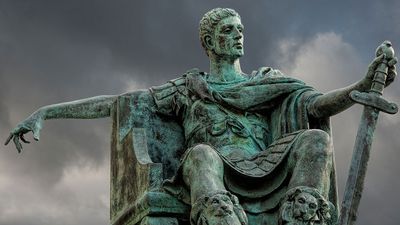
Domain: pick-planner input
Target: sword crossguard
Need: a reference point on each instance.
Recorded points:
(374, 100)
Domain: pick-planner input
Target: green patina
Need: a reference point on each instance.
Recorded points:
(222, 147)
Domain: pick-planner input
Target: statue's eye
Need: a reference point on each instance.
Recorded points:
(227, 30)
(226, 199)
(313, 206)
(215, 201)
(301, 200)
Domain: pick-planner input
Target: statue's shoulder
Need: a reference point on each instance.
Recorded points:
(273, 74)
(266, 71)
(176, 85)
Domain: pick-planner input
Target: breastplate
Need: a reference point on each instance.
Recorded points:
(224, 129)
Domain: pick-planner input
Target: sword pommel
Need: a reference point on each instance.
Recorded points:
(385, 48)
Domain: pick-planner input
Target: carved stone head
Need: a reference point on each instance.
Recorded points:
(221, 33)
(218, 209)
(305, 206)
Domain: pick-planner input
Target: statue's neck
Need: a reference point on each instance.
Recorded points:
(225, 70)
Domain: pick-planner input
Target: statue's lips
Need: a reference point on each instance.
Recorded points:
(238, 45)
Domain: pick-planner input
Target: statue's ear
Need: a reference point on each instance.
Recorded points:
(286, 212)
(292, 193)
(209, 42)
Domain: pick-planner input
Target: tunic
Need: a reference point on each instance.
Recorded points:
(251, 123)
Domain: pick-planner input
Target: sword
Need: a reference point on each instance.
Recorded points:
(373, 104)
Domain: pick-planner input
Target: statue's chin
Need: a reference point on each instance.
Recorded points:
(235, 54)
(222, 213)
(228, 219)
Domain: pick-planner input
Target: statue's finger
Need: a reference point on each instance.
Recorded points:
(36, 133)
(376, 62)
(392, 70)
(393, 61)
(391, 75)
(17, 143)
(9, 139)
(21, 136)
(388, 82)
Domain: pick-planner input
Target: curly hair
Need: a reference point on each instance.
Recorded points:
(210, 21)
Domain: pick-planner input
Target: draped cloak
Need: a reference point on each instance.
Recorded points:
(259, 180)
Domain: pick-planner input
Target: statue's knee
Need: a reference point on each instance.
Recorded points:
(203, 153)
(318, 143)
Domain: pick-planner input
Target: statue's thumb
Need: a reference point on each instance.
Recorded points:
(36, 134)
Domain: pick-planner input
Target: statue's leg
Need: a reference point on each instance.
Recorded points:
(311, 161)
(203, 172)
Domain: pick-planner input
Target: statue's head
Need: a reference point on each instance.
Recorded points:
(221, 33)
(218, 208)
(305, 205)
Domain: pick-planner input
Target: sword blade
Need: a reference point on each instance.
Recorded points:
(358, 167)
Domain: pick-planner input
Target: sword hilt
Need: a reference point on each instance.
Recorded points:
(379, 80)
(373, 96)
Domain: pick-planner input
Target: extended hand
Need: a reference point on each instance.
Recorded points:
(32, 123)
(391, 62)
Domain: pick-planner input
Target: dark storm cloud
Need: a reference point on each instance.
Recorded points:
(55, 51)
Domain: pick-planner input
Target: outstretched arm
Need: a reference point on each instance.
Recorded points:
(336, 101)
(89, 108)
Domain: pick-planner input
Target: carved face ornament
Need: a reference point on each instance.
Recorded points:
(219, 205)
(305, 207)
(228, 38)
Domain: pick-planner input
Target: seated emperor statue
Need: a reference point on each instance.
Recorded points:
(258, 146)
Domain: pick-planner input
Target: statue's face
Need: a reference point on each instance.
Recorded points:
(228, 38)
(305, 207)
(219, 205)
(219, 211)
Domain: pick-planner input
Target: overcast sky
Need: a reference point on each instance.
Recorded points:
(55, 51)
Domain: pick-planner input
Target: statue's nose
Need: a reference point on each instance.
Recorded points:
(238, 36)
(304, 209)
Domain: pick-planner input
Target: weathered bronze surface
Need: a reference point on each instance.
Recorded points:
(222, 147)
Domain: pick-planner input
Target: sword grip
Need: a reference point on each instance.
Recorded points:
(378, 83)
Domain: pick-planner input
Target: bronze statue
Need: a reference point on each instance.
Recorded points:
(256, 143)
